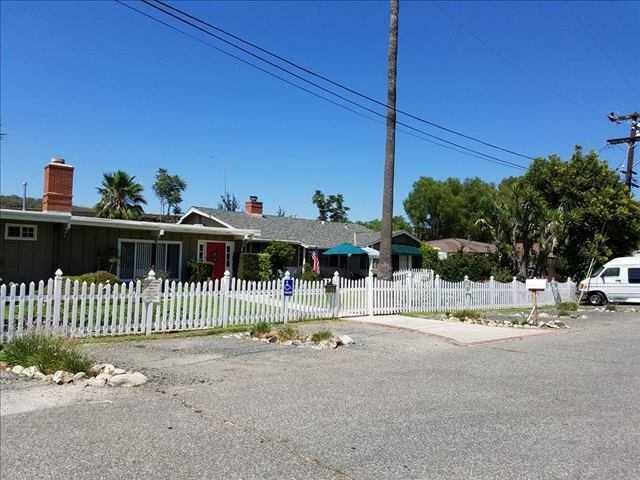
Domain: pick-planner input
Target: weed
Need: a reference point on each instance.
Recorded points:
(321, 335)
(260, 328)
(47, 352)
(470, 314)
(610, 308)
(568, 306)
(287, 332)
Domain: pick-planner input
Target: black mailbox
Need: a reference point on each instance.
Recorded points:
(330, 288)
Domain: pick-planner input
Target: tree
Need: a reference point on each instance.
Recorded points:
(281, 255)
(120, 197)
(228, 202)
(330, 208)
(385, 267)
(281, 212)
(169, 188)
(399, 223)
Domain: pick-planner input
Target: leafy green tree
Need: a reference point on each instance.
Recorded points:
(399, 223)
(330, 208)
(430, 257)
(169, 188)
(280, 254)
(228, 202)
(120, 196)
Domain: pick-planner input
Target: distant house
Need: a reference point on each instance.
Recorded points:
(448, 246)
(33, 244)
(307, 236)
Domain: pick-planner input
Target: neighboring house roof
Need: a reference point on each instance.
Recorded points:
(303, 231)
(454, 245)
(61, 217)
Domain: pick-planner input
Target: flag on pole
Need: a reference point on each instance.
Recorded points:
(315, 258)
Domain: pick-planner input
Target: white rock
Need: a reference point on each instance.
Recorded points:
(108, 369)
(29, 372)
(128, 380)
(17, 369)
(99, 381)
(39, 375)
(119, 371)
(345, 340)
(543, 315)
(79, 376)
(61, 377)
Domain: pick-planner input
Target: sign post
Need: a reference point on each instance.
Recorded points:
(151, 288)
(287, 293)
(535, 285)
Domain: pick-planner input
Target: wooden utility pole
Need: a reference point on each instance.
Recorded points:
(634, 136)
(385, 267)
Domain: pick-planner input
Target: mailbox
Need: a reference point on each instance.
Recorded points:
(330, 288)
(536, 284)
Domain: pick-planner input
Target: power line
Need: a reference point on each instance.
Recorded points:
(445, 143)
(325, 78)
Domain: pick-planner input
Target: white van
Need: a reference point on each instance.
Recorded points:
(617, 281)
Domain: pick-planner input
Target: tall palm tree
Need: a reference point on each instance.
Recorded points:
(385, 266)
(121, 196)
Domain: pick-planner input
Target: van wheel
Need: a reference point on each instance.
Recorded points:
(596, 299)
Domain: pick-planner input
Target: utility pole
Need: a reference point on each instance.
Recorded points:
(385, 265)
(634, 136)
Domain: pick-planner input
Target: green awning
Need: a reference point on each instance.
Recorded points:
(398, 249)
(344, 249)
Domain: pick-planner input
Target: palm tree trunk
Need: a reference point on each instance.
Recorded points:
(385, 267)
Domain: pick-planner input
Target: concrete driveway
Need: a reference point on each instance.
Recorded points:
(398, 405)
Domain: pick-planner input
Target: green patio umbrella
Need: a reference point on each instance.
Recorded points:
(345, 249)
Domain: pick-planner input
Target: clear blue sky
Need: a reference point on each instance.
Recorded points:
(108, 89)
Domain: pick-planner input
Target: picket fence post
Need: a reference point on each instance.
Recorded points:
(336, 296)
(492, 291)
(467, 291)
(285, 299)
(57, 300)
(226, 281)
(410, 288)
(369, 284)
(437, 289)
(148, 308)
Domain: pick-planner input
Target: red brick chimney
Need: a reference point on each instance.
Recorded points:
(58, 186)
(253, 206)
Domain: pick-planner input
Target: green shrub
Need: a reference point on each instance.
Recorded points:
(249, 266)
(199, 271)
(470, 314)
(287, 332)
(95, 277)
(264, 267)
(47, 352)
(309, 275)
(476, 266)
(430, 257)
(281, 254)
(260, 328)
(321, 335)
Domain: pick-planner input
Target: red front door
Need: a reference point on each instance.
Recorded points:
(216, 255)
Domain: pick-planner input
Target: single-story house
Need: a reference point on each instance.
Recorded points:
(448, 246)
(308, 236)
(33, 244)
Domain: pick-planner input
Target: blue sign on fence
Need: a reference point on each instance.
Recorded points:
(288, 287)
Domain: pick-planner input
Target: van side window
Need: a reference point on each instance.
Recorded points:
(611, 272)
(634, 275)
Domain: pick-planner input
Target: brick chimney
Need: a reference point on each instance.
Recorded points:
(253, 206)
(58, 186)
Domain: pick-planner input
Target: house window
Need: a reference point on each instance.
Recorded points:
(137, 257)
(14, 231)
(634, 275)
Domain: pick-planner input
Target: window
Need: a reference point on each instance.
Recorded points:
(634, 275)
(14, 231)
(137, 257)
(611, 272)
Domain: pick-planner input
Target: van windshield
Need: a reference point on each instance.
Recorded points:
(597, 272)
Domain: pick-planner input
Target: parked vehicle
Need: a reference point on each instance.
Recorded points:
(617, 281)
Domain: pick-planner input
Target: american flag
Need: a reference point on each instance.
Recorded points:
(316, 261)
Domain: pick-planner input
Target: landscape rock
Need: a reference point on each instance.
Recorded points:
(39, 375)
(108, 369)
(79, 376)
(61, 377)
(99, 381)
(345, 340)
(29, 372)
(119, 371)
(134, 379)
(17, 369)
(543, 315)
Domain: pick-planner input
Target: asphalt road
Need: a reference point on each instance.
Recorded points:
(398, 405)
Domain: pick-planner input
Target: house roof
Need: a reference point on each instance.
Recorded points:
(454, 245)
(61, 217)
(306, 232)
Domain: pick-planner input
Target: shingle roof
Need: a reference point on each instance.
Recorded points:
(311, 233)
(453, 245)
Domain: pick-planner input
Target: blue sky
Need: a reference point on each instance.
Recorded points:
(108, 89)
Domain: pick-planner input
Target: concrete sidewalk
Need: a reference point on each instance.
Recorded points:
(457, 332)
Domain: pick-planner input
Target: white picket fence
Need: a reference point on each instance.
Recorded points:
(77, 309)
